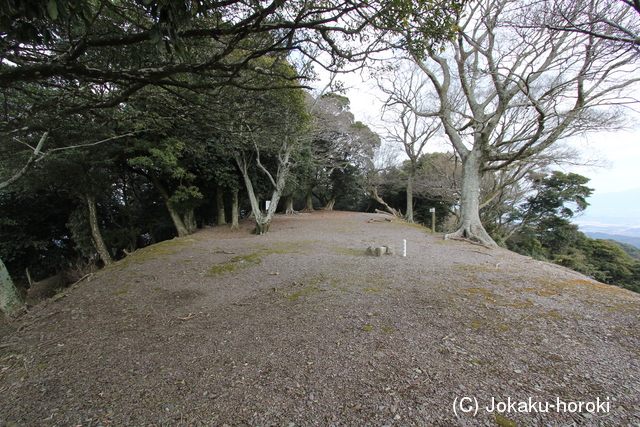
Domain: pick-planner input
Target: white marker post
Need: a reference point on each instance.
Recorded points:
(433, 219)
(404, 247)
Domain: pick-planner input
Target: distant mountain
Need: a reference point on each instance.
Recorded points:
(634, 241)
(616, 214)
(633, 251)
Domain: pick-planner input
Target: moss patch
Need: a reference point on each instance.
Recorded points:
(505, 422)
(162, 249)
(245, 261)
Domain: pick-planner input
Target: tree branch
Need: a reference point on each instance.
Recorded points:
(34, 155)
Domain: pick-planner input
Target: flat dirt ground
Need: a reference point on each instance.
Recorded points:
(300, 328)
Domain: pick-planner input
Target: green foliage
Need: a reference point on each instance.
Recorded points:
(611, 264)
(166, 160)
(633, 251)
(340, 152)
(423, 24)
(431, 187)
(545, 232)
(559, 195)
(33, 233)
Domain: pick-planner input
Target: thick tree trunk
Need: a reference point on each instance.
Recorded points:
(330, 204)
(96, 235)
(235, 210)
(308, 207)
(469, 225)
(409, 213)
(220, 205)
(10, 301)
(288, 205)
(181, 229)
(262, 225)
(189, 221)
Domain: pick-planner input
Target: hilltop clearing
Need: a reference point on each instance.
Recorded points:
(300, 328)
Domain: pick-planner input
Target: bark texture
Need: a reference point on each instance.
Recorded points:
(308, 207)
(220, 205)
(470, 226)
(235, 210)
(288, 205)
(373, 193)
(330, 204)
(10, 301)
(189, 220)
(178, 223)
(96, 234)
(409, 213)
(263, 218)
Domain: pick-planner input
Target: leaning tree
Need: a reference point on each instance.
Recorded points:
(508, 92)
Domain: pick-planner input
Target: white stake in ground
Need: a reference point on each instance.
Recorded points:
(404, 247)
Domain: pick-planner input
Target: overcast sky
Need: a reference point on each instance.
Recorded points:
(620, 149)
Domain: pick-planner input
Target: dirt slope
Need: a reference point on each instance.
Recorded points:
(300, 328)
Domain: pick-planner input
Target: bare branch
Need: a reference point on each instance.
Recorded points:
(34, 156)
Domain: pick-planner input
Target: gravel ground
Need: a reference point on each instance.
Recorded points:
(300, 327)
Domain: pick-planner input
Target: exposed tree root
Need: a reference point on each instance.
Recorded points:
(473, 242)
(471, 233)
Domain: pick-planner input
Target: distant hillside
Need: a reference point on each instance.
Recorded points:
(633, 251)
(618, 239)
(614, 215)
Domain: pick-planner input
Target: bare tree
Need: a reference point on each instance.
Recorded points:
(614, 20)
(405, 90)
(508, 92)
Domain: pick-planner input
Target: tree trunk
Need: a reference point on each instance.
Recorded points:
(235, 210)
(469, 225)
(96, 235)
(177, 220)
(308, 207)
(10, 301)
(409, 214)
(220, 205)
(263, 219)
(189, 221)
(181, 229)
(330, 204)
(373, 193)
(288, 205)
